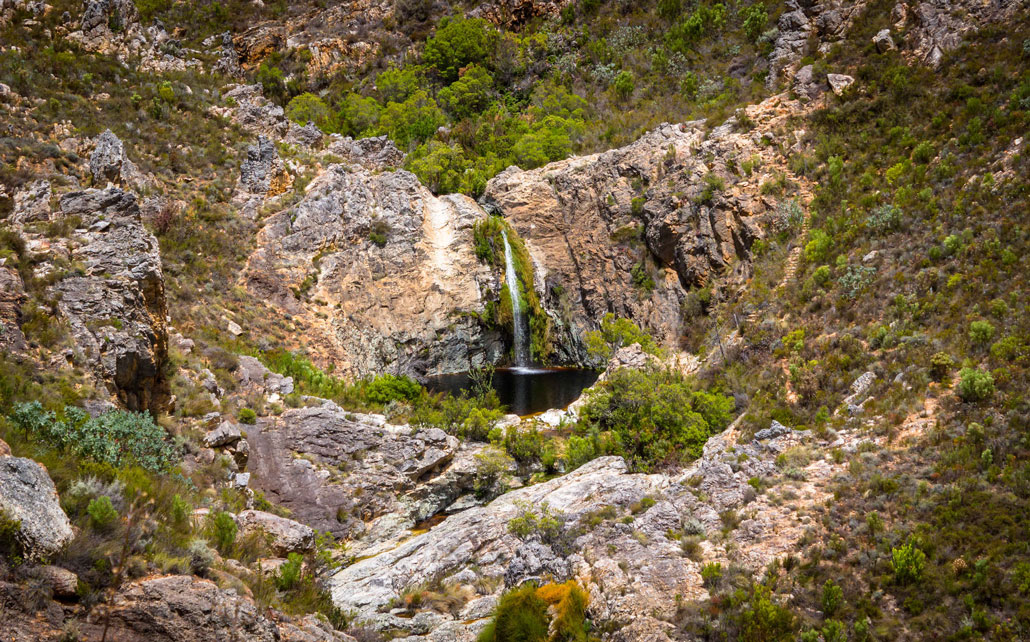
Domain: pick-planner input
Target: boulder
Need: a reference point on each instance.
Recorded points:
(286, 535)
(179, 608)
(28, 495)
(839, 83)
(117, 308)
(883, 41)
(63, 582)
(805, 85)
(253, 372)
(372, 153)
(226, 433)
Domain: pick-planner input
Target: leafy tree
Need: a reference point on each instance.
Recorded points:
(397, 85)
(616, 333)
(470, 94)
(412, 121)
(457, 43)
(307, 108)
(755, 20)
(447, 168)
(359, 115)
(273, 83)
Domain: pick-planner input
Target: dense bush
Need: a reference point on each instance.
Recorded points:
(551, 613)
(457, 43)
(655, 415)
(908, 563)
(117, 437)
(615, 333)
(387, 387)
(975, 384)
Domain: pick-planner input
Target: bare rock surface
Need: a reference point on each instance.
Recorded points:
(12, 296)
(394, 266)
(28, 495)
(116, 308)
(340, 472)
(32, 203)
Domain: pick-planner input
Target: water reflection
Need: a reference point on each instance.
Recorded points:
(526, 391)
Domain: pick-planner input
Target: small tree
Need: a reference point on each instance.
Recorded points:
(975, 385)
(616, 333)
(908, 563)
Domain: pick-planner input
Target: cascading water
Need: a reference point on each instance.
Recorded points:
(518, 320)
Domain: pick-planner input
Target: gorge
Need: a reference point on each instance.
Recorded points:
(524, 320)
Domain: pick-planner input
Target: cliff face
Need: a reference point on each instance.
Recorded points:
(380, 271)
(383, 274)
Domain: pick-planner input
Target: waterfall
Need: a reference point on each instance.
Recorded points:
(518, 319)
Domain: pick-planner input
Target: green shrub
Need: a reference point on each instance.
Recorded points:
(544, 523)
(818, 246)
(908, 563)
(975, 384)
(117, 437)
(923, 153)
(223, 529)
(655, 415)
(457, 43)
(201, 556)
(822, 275)
(832, 599)
(883, 219)
(470, 94)
(521, 616)
(755, 20)
(616, 333)
(289, 573)
(387, 387)
(981, 332)
(310, 108)
(711, 573)
(102, 514)
(940, 365)
(624, 85)
(247, 416)
(1008, 349)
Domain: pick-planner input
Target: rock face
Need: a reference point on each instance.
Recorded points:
(263, 172)
(116, 308)
(583, 219)
(32, 203)
(515, 13)
(394, 264)
(479, 538)
(12, 295)
(372, 153)
(188, 609)
(27, 494)
(339, 472)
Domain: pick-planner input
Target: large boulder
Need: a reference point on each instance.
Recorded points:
(116, 307)
(284, 535)
(28, 496)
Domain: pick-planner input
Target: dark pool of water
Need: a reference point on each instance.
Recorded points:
(526, 391)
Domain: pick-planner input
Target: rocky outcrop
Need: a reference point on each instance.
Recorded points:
(116, 306)
(28, 496)
(371, 153)
(12, 296)
(261, 117)
(109, 164)
(650, 207)
(339, 472)
(32, 203)
(393, 265)
(512, 14)
(263, 175)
